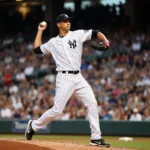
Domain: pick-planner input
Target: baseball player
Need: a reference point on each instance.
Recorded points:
(66, 49)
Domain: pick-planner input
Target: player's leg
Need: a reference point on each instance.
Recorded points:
(85, 93)
(64, 89)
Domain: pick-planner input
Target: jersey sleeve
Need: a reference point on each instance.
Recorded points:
(85, 35)
(46, 48)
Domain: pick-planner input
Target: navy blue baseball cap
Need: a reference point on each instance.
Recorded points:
(62, 17)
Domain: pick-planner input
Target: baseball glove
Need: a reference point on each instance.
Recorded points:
(99, 46)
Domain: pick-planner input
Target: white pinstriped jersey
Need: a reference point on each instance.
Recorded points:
(67, 53)
(67, 50)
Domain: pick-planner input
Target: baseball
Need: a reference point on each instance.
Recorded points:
(43, 23)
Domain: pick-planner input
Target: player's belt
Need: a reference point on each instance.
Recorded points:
(71, 72)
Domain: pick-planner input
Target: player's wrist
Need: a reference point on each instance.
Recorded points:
(107, 43)
(40, 30)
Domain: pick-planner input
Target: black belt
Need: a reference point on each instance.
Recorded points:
(71, 72)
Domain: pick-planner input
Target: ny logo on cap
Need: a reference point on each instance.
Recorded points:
(72, 44)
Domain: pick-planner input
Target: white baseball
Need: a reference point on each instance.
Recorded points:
(43, 23)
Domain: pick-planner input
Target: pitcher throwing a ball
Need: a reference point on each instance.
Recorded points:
(66, 49)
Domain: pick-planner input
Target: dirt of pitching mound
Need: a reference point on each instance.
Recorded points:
(21, 144)
(11, 145)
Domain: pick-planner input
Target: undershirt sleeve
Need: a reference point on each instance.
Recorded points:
(94, 33)
(38, 50)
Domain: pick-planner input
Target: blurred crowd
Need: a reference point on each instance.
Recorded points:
(119, 77)
(113, 15)
(101, 15)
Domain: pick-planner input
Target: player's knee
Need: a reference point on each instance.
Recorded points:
(93, 105)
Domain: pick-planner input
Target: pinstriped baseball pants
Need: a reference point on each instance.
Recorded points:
(66, 84)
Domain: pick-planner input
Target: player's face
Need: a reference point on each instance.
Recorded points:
(65, 25)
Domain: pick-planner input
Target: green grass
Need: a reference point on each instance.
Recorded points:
(140, 143)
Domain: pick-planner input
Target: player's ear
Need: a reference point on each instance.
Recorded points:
(58, 25)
